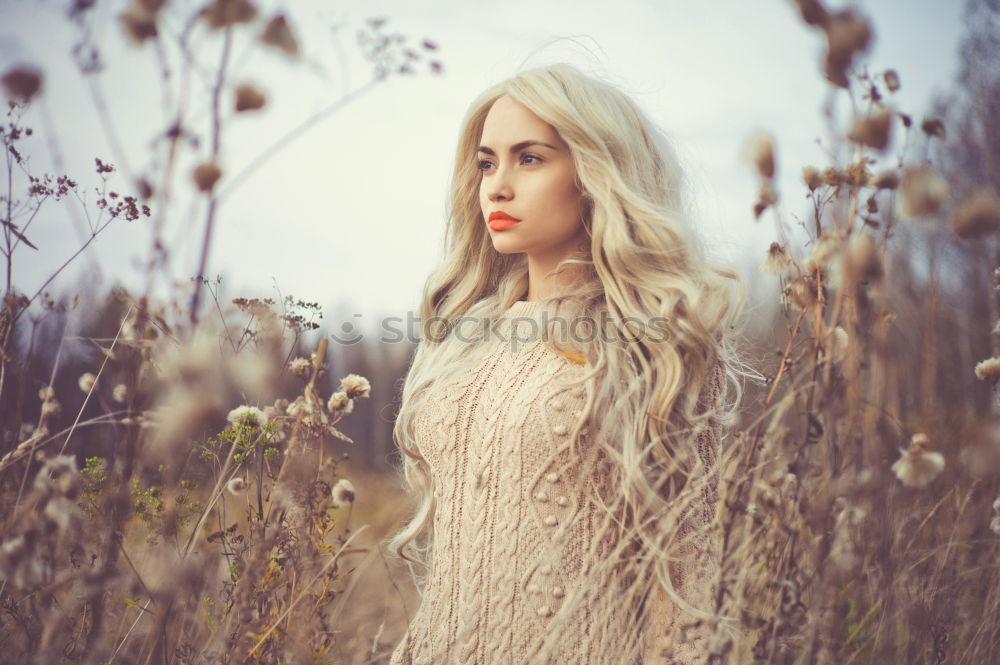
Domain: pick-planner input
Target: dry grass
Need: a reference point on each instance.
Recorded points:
(147, 521)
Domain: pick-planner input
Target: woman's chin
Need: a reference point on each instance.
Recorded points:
(507, 245)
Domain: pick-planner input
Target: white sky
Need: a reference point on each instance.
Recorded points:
(351, 215)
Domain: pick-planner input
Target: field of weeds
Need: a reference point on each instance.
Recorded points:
(186, 479)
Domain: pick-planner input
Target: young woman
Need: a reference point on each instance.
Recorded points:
(562, 417)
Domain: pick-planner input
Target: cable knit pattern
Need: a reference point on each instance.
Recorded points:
(517, 525)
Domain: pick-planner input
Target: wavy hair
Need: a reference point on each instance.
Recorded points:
(644, 263)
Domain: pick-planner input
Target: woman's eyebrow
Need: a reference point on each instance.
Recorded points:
(517, 147)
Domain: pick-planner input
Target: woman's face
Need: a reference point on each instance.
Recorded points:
(528, 175)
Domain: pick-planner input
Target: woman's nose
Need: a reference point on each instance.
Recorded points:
(499, 185)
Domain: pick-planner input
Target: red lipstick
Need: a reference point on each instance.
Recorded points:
(501, 221)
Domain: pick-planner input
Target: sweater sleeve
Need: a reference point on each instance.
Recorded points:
(673, 636)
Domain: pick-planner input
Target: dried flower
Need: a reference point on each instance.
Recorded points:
(800, 292)
(857, 174)
(247, 415)
(978, 214)
(812, 177)
(844, 550)
(277, 34)
(59, 474)
(120, 393)
(933, 127)
(342, 493)
(922, 192)
(861, 257)
(51, 407)
(778, 261)
(300, 366)
(824, 249)
(766, 197)
(45, 393)
(249, 98)
(355, 386)
(846, 34)
(761, 153)
(838, 344)
(833, 177)
(918, 466)
(236, 486)
(139, 21)
(988, 370)
(813, 12)
(340, 403)
(86, 382)
(873, 130)
(22, 82)
(206, 175)
(224, 13)
(891, 78)
(886, 180)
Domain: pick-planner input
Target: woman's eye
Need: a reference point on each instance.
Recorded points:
(484, 164)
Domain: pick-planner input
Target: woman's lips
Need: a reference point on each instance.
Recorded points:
(501, 221)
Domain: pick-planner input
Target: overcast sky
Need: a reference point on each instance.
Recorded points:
(351, 214)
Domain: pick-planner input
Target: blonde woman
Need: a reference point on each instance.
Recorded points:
(561, 420)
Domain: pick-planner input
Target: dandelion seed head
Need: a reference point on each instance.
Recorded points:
(918, 466)
(247, 415)
(996, 504)
(355, 386)
(988, 370)
(300, 367)
(342, 493)
(995, 525)
(50, 408)
(120, 393)
(838, 344)
(58, 474)
(340, 403)
(86, 382)
(236, 486)
(46, 393)
(778, 261)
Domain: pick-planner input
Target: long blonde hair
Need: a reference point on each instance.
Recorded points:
(644, 262)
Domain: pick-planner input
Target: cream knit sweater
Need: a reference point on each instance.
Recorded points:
(516, 526)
